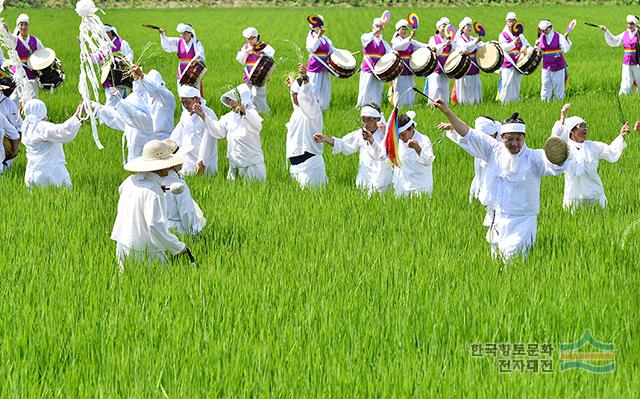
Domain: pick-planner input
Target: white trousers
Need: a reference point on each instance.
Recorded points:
(310, 173)
(511, 80)
(469, 89)
(630, 74)
(321, 83)
(439, 87)
(552, 85)
(370, 89)
(253, 172)
(259, 98)
(403, 85)
(511, 235)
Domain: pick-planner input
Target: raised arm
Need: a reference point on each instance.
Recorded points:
(169, 44)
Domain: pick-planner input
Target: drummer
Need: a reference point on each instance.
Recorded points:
(187, 47)
(554, 67)
(403, 42)
(468, 88)
(121, 46)
(511, 45)
(438, 82)
(248, 57)
(630, 67)
(373, 47)
(320, 48)
(25, 46)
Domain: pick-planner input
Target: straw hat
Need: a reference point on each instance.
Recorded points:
(156, 155)
(556, 150)
(41, 59)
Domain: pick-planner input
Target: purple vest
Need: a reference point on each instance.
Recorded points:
(405, 55)
(442, 58)
(117, 46)
(322, 52)
(372, 52)
(514, 52)
(249, 64)
(472, 56)
(24, 53)
(185, 56)
(630, 45)
(552, 58)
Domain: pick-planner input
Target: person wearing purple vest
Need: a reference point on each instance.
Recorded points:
(373, 47)
(186, 47)
(121, 46)
(247, 57)
(405, 45)
(512, 45)
(469, 87)
(320, 48)
(26, 45)
(554, 67)
(438, 82)
(630, 67)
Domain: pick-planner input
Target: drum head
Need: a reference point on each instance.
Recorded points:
(454, 58)
(41, 59)
(524, 56)
(344, 59)
(420, 58)
(488, 55)
(384, 63)
(104, 73)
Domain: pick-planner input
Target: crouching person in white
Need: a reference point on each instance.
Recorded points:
(414, 175)
(582, 184)
(241, 127)
(513, 176)
(374, 172)
(304, 154)
(46, 164)
(140, 230)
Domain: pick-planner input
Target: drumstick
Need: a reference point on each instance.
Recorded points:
(149, 26)
(592, 25)
(420, 92)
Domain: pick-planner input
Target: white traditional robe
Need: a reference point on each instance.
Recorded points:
(9, 131)
(630, 73)
(170, 45)
(370, 87)
(438, 82)
(183, 213)
(469, 87)
(162, 105)
(258, 94)
(552, 82)
(510, 78)
(513, 191)
(320, 81)
(404, 83)
(374, 172)
(191, 130)
(140, 229)
(305, 121)
(414, 176)
(46, 164)
(34, 82)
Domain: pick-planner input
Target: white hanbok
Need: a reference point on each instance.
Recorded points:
(404, 83)
(510, 78)
(170, 45)
(370, 87)
(469, 87)
(414, 176)
(191, 130)
(9, 131)
(258, 94)
(33, 82)
(161, 102)
(183, 213)
(630, 73)
(320, 81)
(552, 82)
(9, 110)
(438, 82)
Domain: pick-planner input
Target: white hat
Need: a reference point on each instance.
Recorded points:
(245, 96)
(154, 76)
(465, 21)
(186, 91)
(250, 32)
(632, 19)
(410, 124)
(22, 18)
(572, 122)
(402, 23)
(510, 15)
(174, 148)
(377, 22)
(181, 28)
(487, 126)
(109, 28)
(442, 21)
(156, 155)
(544, 24)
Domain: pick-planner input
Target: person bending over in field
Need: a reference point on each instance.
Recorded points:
(513, 177)
(374, 172)
(140, 229)
(43, 142)
(197, 122)
(582, 184)
(414, 175)
(161, 102)
(304, 154)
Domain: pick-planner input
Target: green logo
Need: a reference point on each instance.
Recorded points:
(588, 354)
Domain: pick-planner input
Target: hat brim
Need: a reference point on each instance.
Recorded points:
(145, 165)
(41, 59)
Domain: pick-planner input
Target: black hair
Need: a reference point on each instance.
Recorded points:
(515, 118)
(373, 105)
(488, 117)
(403, 119)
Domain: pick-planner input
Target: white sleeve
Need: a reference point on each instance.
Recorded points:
(156, 217)
(506, 45)
(269, 51)
(611, 153)
(253, 121)
(400, 44)
(478, 145)
(187, 210)
(348, 144)
(524, 41)
(613, 41)
(386, 46)
(308, 103)
(127, 51)
(549, 168)
(9, 130)
(61, 133)
(199, 50)
(158, 92)
(241, 56)
(366, 38)
(565, 44)
(377, 150)
(110, 117)
(39, 45)
(426, 154)
(313, 42)
(12, 114)
(560, 130)
(213, 130)
(169, 44)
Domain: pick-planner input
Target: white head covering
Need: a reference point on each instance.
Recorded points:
(513, 128)
(156, 155)
(465, 21)
(487, 126)
(245, 96)
(22, 18)
(155, 77)
(369, 111)
(510, 15)
(402, 23)
(442, 21)
(632, 19)
(376, 22)
(35, 111)
(572, 122)
(109, 28)
(250, 32)
(410, 124)
(544, 24)
(186, 91)
(182, 27)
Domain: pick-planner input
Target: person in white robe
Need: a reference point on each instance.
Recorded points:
(582, 183)
(414, 176)
(247, 57)
(161, 102)
(9, 110)
(241, 127)
(552, 78)
(320, 81)
(140, 230)
(184, 46)
(304, 154)
(401, 42)
(469, 87)
(513, 176)
(630, 40)
(512, 46)
(13, 137)
(438, 81)
(374, 171)
(25, 48)
(43, 140)
(197, 122)
(370, 86)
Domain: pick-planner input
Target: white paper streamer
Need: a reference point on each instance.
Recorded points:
(8, 42)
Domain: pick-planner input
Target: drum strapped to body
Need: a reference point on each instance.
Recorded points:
(193, 73)
(389, 67)
(457, 65)
(343, 63)
(47, 67)
(490, 57)
(261, 71)
(423, 61)
(529, 60)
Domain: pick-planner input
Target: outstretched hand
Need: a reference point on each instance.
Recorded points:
(444, 126)
(626, 129)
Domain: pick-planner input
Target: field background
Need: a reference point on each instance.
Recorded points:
(322, 293)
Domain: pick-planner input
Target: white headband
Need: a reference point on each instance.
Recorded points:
(409, 124)
(368, 111)
(513, 128)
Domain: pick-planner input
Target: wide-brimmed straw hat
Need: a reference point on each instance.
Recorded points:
(156, 155)
(556, 150)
